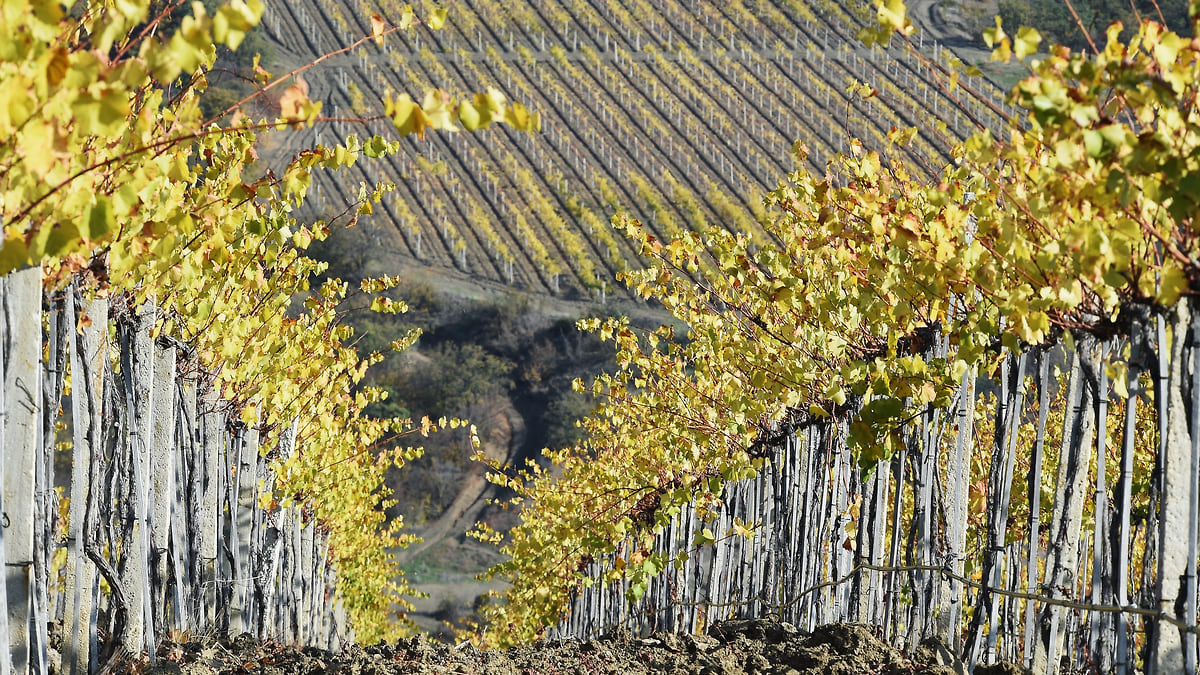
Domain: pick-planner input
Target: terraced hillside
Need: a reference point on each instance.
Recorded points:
(680, 112)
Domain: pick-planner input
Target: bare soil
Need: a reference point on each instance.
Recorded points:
(731, 648)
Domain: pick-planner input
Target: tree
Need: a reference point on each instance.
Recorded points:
(1057, 22)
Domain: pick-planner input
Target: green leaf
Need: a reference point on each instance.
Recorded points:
(650, 566)
(378, 146)
(1172, 283)
(13, 254)
(835, 393)
(704, 538)
(1026, 42)
(64, 238)
(98, 219)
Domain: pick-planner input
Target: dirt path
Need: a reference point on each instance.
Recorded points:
(732, 648)
(940, 20)
(463, 512)
(936, 18)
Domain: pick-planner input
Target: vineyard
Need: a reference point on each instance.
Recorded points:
(681, 114)
(162, 531)
(962, 409)
(814, 539)
(855, 390)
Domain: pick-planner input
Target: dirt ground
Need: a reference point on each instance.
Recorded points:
(731, 648)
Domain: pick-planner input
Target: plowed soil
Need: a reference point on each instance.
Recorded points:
(731, 648)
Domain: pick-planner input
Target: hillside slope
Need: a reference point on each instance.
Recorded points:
(679, 113)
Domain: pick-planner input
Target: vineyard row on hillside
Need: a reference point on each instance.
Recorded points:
(681, 115)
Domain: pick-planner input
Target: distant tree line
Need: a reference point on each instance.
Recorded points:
(1054, 20)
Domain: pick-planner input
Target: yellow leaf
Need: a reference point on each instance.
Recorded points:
(1032, 326)
(892, 15)
(408, 117)
(406, 17)
(439, 110)
(377, 26)
(1027, 42)
(37, 143)
(472, 118)
(437, 19)
(518, 117)
(16, 105)
(1118, 374)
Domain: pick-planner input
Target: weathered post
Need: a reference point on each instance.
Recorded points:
(211, 424)
(22, 307)
(1166, 642)
(88, 356)
(162, 477)
(137, 365)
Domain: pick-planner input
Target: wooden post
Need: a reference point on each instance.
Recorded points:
(88, 357)
(227, 547)
(306, 570)
(1166, 641)
(184, 540)
(242, 505)
(256, 560)
(1189, 588)
(295, 576)
(162, 476)
(5, 358)
(958, 479)
(45, 513)
(22, 352)
(283, 591)
(137, 364)
(1034, 546)
(1066, 523)
(1101, 569)
(267, 583)
(211, 425)
(999, 493)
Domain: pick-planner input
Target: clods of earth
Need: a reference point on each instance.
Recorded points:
(730, 648)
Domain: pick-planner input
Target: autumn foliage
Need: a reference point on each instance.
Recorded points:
(1080, 209)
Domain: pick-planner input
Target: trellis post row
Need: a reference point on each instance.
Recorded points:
(163, 532)
(890, 546)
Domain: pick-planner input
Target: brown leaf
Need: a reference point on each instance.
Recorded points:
(293, 101)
